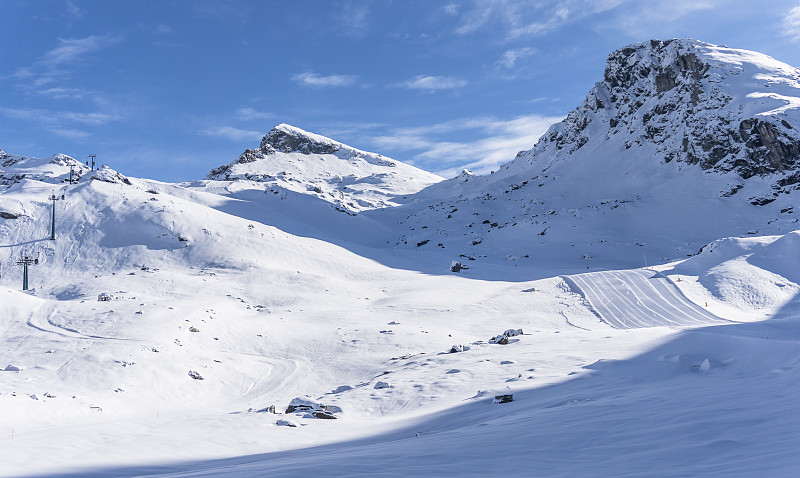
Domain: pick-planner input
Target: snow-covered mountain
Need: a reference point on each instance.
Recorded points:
(682, 142)
(291, 159)
(241, 326)
(14, 168)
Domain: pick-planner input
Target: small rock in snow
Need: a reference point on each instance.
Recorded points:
(287, 423)
(503, 398)
(380, 385)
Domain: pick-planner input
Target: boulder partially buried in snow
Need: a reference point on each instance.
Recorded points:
(12, 368)
(306, 403)
(502, 339)
(287, 423)
(313, 408)
(105, 297)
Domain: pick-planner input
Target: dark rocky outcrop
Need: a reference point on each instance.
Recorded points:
(288, 140)
(676, 96)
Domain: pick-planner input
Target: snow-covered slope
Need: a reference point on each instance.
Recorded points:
(295, 160)
(681, 143)
(174, 329)
(14, 168)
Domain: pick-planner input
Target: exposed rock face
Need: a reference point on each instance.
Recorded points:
(291, 159)
(287, 140)
(684, 98)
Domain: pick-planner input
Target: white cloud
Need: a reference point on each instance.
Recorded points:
(69, 50)
(451, 9)
(492, 142)
(73, 9)
(644, 20)
(432, 83)
(232, 133)
(73, 134)
(529, 17)
(791, 24)
(353, 20)
(318, 81)
(510, 57)
(59, 117)
(63, 93)
(249, 114)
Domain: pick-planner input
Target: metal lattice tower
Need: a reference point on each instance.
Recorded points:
(25, 261)
(53, 198)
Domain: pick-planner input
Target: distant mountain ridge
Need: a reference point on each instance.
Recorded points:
(681, 142)
(292, 159)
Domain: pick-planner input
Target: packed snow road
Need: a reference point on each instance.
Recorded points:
(638, 298)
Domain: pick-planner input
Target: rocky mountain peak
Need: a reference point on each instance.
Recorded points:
(694, 103)
(289, 139)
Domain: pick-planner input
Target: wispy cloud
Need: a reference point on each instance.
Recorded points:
(59, 93)
(61, 123)
(73, 9)
(642, 20)
(59, 117)
(353, 20)
(520, 18)
(791, 24)
(235, 134)
(510, 57)
(492, 142)
(321, 81)
(69, 50)
(432, 83)
(451, 9)
(250, 114)
(70, 133)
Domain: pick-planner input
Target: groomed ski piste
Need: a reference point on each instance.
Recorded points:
(639, 298)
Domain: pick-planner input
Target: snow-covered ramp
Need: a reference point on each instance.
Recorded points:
(639, 298)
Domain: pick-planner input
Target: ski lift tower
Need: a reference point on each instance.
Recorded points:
(53, 198)
(92, 157)
(25, 261)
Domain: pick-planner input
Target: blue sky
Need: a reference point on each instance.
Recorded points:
(170, 89)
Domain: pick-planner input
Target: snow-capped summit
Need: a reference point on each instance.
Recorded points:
(689, 102)
(291, 159)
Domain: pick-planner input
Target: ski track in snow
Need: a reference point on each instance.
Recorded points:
(38, 321)
(639, 298)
